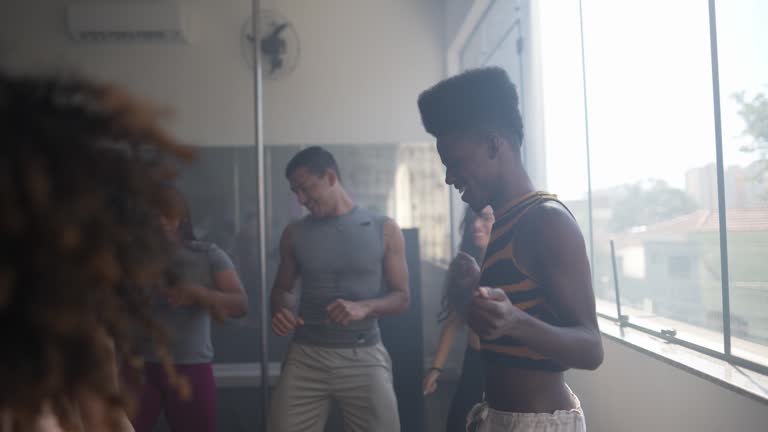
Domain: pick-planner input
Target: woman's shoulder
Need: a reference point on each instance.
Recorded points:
(200, 246)
(218, 257)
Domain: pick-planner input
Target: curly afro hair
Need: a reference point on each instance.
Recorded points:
(83, 173)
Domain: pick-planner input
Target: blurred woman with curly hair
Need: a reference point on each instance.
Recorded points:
(83, 175)
(200, 284)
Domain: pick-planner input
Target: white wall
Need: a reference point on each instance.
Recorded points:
(206, 83)
(362, 66)
(634, 392)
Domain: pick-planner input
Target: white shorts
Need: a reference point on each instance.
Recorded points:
(482, 418)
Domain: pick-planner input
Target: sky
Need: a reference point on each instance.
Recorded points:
(649, 88)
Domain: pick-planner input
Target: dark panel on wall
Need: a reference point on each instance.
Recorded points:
(402, 335)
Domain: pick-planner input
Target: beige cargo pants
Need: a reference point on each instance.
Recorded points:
(359, 379)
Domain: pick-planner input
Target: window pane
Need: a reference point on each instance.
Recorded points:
(403, 181)
(220, 187)
(742, 42)
(566, 148)
(491, 34)
(652, 153)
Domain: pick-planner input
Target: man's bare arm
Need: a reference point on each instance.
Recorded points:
(283, 296)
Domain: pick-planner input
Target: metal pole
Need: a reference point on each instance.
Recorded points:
(236, 189)
(586, 138)
(616, 282)
(724, 276)
(260, 179)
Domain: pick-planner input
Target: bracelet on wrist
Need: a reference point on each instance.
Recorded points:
(436, 369)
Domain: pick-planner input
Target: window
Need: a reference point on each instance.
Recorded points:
(565, 141)
(401, 180)
(744, 102)
(494, 41)
(632, 147)
(654, 135)
(645, 141)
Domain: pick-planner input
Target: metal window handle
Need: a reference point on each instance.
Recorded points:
(669, 333)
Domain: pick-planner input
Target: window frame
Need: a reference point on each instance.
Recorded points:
(669, 335)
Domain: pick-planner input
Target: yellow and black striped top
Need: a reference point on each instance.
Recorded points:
(501, 270)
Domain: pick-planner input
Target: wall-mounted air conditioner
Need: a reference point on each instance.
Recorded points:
(129, 21)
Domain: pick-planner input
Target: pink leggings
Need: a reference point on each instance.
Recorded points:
(196, 414)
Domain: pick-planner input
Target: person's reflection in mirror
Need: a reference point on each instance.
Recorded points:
(201, 283)
(352, 268)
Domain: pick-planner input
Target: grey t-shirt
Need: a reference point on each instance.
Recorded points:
(339, 257)
(189, 327)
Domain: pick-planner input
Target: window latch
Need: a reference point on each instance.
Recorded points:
(669, 333)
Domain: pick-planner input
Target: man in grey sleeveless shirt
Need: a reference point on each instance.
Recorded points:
(352, 269)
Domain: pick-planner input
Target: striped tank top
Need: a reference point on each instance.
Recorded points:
(501, 270)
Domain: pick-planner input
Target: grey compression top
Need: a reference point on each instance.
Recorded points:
(339, 257)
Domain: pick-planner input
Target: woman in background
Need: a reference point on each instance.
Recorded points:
(78, 237)
(463, 273)
(201, 283)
